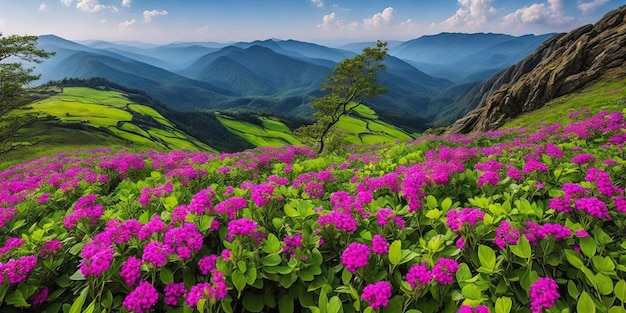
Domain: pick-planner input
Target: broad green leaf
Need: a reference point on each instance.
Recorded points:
(617, 309)
(471, 292)
(253, 302)
(166, 275)
(239, 280)
(588, 246)
(574, 258)
(395, 252)
(290, 211)
(504, 305)
(604, 283)
(91, 307)
(395, 304)
(322, 302)
(431, 201)
(271, 260)
(585, 304)
(603, 264)
(572, 289)
(271, 244)
(285, 304)
(334, 305)
(487, 258)
(16, 299)
(446, 204)
(620, 290)
(522, 249)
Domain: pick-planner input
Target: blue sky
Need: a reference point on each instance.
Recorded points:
(322, 21)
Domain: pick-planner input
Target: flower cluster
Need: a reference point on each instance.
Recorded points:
(50, 247)
(535, 233)
(292, 243)
(185, 240)
(341, 220)
(85, 208)
(130, 270)
(17, 270)
(155, 225)
(386, 216)
(148, 193)
(207, 264)
(97, 257)
(506, 235)
(444, 270)
(11, 244)
(214, 290)
(543, 294)
(172, 292)
(142, 298)
(477, 309)
(355, 256)
(377, 295)
(156, 252)
(380, 244)
(419, 275)
(230, 206)
(459, 218)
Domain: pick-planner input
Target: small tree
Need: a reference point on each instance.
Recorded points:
(352, 82)
(14, 77)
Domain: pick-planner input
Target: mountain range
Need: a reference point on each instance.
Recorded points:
(425, 76)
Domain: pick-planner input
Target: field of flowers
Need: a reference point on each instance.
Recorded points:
(504, 221)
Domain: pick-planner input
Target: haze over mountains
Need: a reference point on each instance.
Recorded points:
(425, 76)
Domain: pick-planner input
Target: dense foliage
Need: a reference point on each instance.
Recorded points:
(505, 221)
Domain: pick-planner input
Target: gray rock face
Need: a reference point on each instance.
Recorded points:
(561, 65)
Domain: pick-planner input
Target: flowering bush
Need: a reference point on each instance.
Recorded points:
(505, 221)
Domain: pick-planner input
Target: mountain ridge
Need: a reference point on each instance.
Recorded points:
(561, 65)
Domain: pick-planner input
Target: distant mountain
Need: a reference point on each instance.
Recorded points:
(562, 65)
(461, 57)
(280, 76)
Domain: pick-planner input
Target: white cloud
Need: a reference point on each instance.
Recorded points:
(588, 7)
(91, 6)
(126, 3)
(67, 2)
(318, 3)
(202, 31)
(471, 14)
(149, 15)
(382, 18)
(127, 24)
(42, 7)
(539, 13)
(103, 21)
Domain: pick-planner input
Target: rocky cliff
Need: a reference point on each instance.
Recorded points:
(561, 65)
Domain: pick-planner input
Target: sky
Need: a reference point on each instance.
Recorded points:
(321, 21)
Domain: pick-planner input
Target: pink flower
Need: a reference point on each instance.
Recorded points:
(459, 218)
(460, 243)
(419, 275)
(172, 291)
(543, 294)
(505, 235)
(142, 298)
(243, 226)
(155, 253)
(593, 206)
(444, 270)
(17, 270)
(130, 270)
(380, 245)
(40, 296)
(207, 264)
(489, 177)
(477, 309)
(355, 256)
(377, 295)
(341, 220)
(214, 290)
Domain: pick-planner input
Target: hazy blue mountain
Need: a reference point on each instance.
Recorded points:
(465, 57)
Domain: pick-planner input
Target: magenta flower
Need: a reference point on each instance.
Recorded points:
(355, 256)
(477, 309)
(207, 264)
(444, 270)
(380, 244)
(172, 292)
(214, 290)
(543, 294)
(460, 243)
(377, 295)
(243, 226)
(142, 298)
(455, 219)
(419, 275)
(17, 270)
(185, 240)
(130, 270)
(155, 225)
(231, 206)
(341, 220)
(40, 296)
(593, 206)
(155, 253)
(506, 235)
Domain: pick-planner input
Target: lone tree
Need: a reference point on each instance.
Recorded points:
(14, 77)
(352, 82)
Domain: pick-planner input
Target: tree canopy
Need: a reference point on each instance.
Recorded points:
(353, 81)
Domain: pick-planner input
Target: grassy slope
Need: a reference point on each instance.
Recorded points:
(608, 95)
(362, 127)
(85, 118)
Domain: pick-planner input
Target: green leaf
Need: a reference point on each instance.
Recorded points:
(290, 211)
(620, 290)
(285, 304)
(471, 292)
(522, 249)
(396, 304)
(334, 305)
(91, 307)
(271, 244)
(604, 283)
(166, 275)
(431, 201)
(271, 260)
(77, 306)
(585, 304)
(278, 270)
(446, 204)
(239, 280)
(504, 305)
(617, 309)
(603, 264)
(588, 246)
(253, 302)
(395, 252)
(487, 258)
(322, 302)
(574, 258)
(572, 290)
(16, 299)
